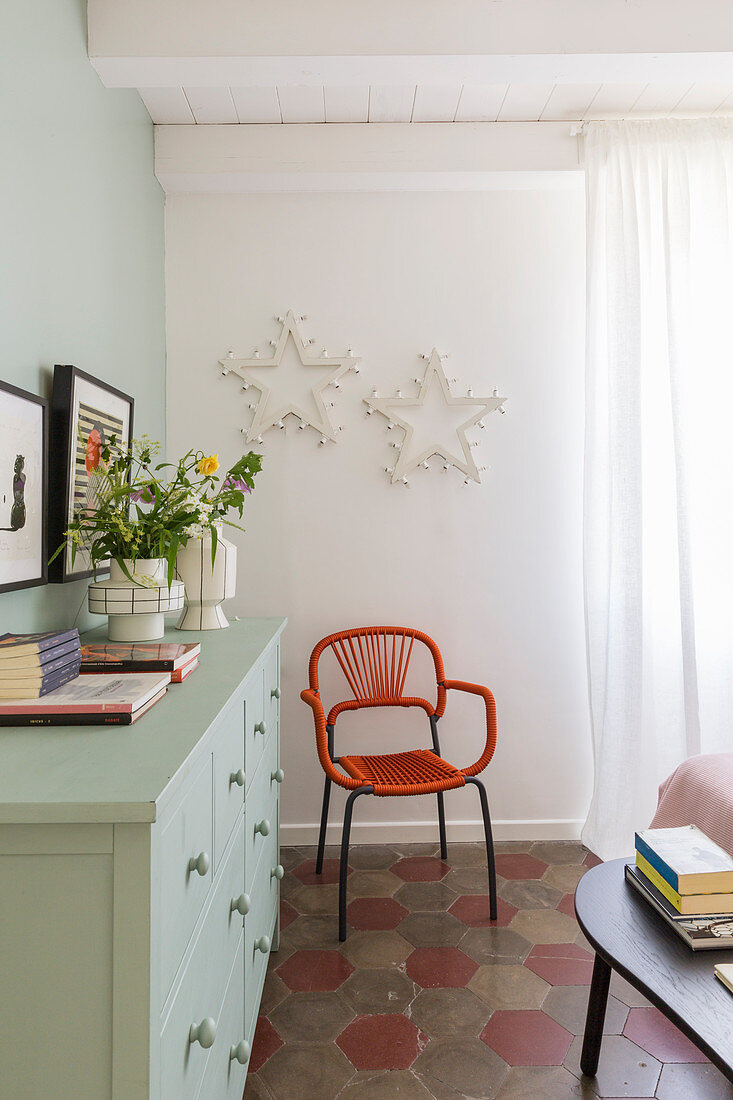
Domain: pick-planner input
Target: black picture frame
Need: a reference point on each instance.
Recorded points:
(39, 576)
(69, 383)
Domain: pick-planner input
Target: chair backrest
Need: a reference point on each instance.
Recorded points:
(375, 661)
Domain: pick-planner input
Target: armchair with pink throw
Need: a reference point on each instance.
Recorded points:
(700, 792)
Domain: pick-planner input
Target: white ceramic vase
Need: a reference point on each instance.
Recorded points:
(136, 608)
(206, 585)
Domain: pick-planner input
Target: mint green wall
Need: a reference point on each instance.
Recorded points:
(81, 237)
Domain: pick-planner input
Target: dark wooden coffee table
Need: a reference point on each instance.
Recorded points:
(630, 937)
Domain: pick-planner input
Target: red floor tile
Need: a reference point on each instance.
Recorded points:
(566, 905)
(306, 872)
(561, 963)
(658, 1036)
(527, 1038)
(440, 967)
(374, 914)
(314, 971)
(592, 860)
(518, 865)
(266, 1041)
(287, 914)
(420, 869)
(382, 1042)
(473, 910)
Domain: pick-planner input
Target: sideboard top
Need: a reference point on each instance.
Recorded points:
(117, 773)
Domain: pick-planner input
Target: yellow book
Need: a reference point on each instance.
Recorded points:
(724, 971)
(686, 904)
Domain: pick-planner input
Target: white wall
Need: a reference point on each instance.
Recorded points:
(492, 572)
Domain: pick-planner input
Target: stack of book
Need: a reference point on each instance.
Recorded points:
(179, 660)
(688, 879)
(90, 701)
(32, 665)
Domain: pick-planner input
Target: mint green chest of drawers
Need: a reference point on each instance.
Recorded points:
(139, 887)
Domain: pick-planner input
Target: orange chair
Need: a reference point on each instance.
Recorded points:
(375, 661)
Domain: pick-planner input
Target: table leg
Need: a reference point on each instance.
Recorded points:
(597, 1001)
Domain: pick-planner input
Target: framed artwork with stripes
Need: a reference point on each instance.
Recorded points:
(86, 414)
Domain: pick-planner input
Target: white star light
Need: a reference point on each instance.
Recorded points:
(265, 415)
(434, 388)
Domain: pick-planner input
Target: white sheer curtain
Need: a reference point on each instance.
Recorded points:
(659, 459)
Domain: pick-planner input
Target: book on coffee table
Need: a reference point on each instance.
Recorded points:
(703, 932)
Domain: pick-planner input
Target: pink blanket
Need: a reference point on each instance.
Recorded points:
(700, 792)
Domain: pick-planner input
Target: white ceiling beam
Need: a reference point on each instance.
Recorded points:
(260, 28)
(365, 157)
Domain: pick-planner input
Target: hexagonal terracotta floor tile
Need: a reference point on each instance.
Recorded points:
(312, 900)
(373, 884)
(533, 893)
(495, 945)
(508, 987)
(432, 929)
(561, 963)
(421, 897)
(457, 1067)
(444, 967)
(374, 914)
(527, 1038)
(518, 865)
(377, 991)
(372, 857)
(564, 876)
(314, 971)
(624, 1069)
(370, 950)
(287, 915)
(566, 905)
(420, 869)
(559, 851)
(544, 926)
(311, 1017)
(381, 1042)
(304, 1072)
(266, 1041)
(306, 872)
(473, 910)
(568, 1006)
(444, 1012)
(658, 1036)
(592, 860)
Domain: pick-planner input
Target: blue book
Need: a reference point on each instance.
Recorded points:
(33, 650)
(33, 687)
(687, 859)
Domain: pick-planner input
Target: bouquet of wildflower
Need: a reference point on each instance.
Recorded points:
(146, 511)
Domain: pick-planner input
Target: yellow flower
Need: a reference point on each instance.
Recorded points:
(208, 465)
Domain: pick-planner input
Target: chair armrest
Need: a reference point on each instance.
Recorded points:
(313, 699)
(490, 704)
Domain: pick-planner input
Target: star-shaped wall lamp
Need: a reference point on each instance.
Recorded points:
(271, 413)
(458, 413)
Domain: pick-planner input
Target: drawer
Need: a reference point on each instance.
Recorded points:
(203, 983)
(272, 688)
(186, 837)
(229, 776)
(225, 1075)
(259, 922)
(261, 811)
(255, 723)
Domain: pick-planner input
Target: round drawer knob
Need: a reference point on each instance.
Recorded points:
(200, 863)
(275, 693)
(263, 827)
(261, 727)
(262, 944)
(237, 777)
(241, 905)
(277, 872)
(240, 1053)
(277, 776)
(203, 1033)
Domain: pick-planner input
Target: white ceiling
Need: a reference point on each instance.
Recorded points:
(515, 102)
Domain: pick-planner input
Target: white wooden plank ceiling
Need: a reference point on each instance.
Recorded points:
(435, 103)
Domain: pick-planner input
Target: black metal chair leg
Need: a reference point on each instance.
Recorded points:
(344, 866)
(493, 913)
(324, 822)
(441, 826)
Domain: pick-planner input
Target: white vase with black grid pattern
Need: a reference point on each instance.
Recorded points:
(207, 585)
(136, 608)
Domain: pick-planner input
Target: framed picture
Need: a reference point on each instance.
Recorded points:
(85, 414)
(23, 488)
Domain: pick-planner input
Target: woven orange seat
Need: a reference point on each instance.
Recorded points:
(375, 661)
(418, 771)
